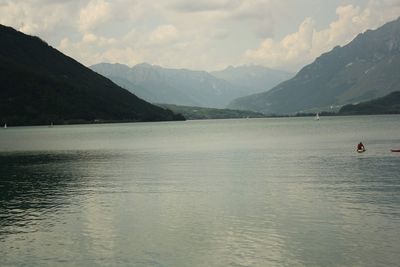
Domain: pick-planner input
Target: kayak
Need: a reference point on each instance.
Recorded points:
(361, 150)
(395, 150)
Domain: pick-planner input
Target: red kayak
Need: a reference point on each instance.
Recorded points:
(395, 150)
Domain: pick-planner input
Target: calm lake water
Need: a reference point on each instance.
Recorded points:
(250, 192)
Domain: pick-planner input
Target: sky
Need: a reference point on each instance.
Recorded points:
(197, 34)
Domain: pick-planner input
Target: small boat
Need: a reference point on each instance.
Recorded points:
(5, 125)
(361, 150)
(317, 117)
(395, 150)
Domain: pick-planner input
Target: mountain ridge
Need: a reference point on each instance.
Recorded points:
(171, 86)
(253, 78)
(177, 86)
(366, 68)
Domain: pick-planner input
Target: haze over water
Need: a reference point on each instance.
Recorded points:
(255, 192)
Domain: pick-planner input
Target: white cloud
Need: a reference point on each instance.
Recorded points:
(255, 15)
(34, 18)
(126, 55)
(219, 33)
(253, 9)
(290, 49)
(302, 47)
(94, 49)
(96, 12)
(203, 34)
(92, 39)
(202, 6)
(163, 34)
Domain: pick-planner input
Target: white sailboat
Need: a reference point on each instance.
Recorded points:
(5, 125)
(317, 117)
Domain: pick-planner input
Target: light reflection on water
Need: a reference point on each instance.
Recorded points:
(213, 193)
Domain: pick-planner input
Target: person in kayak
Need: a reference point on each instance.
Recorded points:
(360, 147)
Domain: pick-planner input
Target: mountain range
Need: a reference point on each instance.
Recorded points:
(40, 85)
(252, 78)
(191, 88)
(366, 68)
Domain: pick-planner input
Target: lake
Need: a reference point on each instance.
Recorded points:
(249, 192)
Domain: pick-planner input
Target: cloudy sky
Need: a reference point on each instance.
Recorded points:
(197, 34)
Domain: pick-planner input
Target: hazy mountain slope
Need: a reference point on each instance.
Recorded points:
(253, 79)
(389, 104)
(172, 86)
(39, 85)
(366, 68)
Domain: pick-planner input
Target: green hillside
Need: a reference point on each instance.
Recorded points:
(389, 104)
(199, 113)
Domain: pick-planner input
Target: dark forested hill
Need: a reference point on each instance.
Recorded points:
(366, 68)
(199, 113)
(40, 85)
(389, 104)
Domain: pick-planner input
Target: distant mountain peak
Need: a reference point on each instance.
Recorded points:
(145, 65)
(253, 78)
